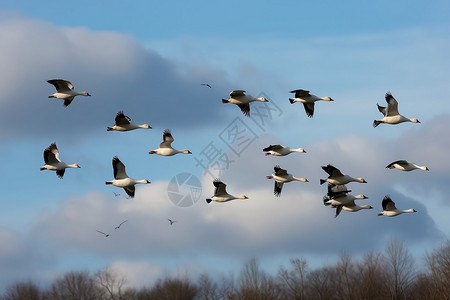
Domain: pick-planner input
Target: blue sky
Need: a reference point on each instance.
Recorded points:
(148, 59)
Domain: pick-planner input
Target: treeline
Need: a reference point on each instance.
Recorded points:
(391, 274)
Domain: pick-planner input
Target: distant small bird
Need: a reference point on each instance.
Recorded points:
(105, 234)
(336, 177)
(118, 226)
(64, 90)
(390, 113)
(242, 100)
(281, 176)
(403, 165)
(123, 123)
(205, 84)
(165, 148)
(220, 193)
(278, 150)
(307, 99)
(171, 222)
(121, 178)
(115, 194)
(53, 163)
(390, 210)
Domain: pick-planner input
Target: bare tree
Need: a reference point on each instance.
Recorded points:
(74, 286)
(438, 263)
(372, 283)
(293, 281)
(22, 291)
(400, 267)
(172, 289)
(112, 285)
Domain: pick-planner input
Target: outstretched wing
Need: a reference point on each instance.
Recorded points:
(277, 188)
(237, 93)
(392, 108)
(245, 108)
(273, 147)
(167, 139)
(332, 171)
(279, 171)
(387, 203)
(309, 109)
(119, 169)
(220, 187)
(51, 154)
(398, 162)
(121, 119)
(61, 84)
(300, 93)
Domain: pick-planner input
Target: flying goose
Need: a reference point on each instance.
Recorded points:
(53, 163)
(336, 177)
(403, 165)
(121, 178)
(123, 123)
(278, 150)
(350, 206)
(64, 90)
(242, 100)
(165, 148)
(105, 234)
(390, 210)
(206, 84)
(281, 176)
(171, 221)
(220, 193)
(307, 99)
(118, 226)
(390, 113)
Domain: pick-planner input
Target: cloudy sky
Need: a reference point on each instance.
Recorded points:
(148, 59)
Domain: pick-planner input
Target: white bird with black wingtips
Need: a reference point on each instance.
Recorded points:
(281, 177)
(220, 193)
(390, 113)
(53, 163)
(65, 91)
(335, 176)
(242, 100)
(390, 210)
(121, 178)
(307, 99)
(123, 123)
(165, 148)
(278, 150)
(403, 165)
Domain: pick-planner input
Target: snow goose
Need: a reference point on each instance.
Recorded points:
(53, 163)
(278, 150)
(105, 234)
(242, 100)
(390, 113)
(336, 177)
(307, 99)
(118, 226)
(165, 148)
(390, 210)
(403, 165)
(123, 123)
(121, 178)
(350, 206)
(65, 91)
(339, 195)
(281, 176)
(220, 193)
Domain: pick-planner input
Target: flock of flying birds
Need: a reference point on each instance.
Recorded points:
(337, 195)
